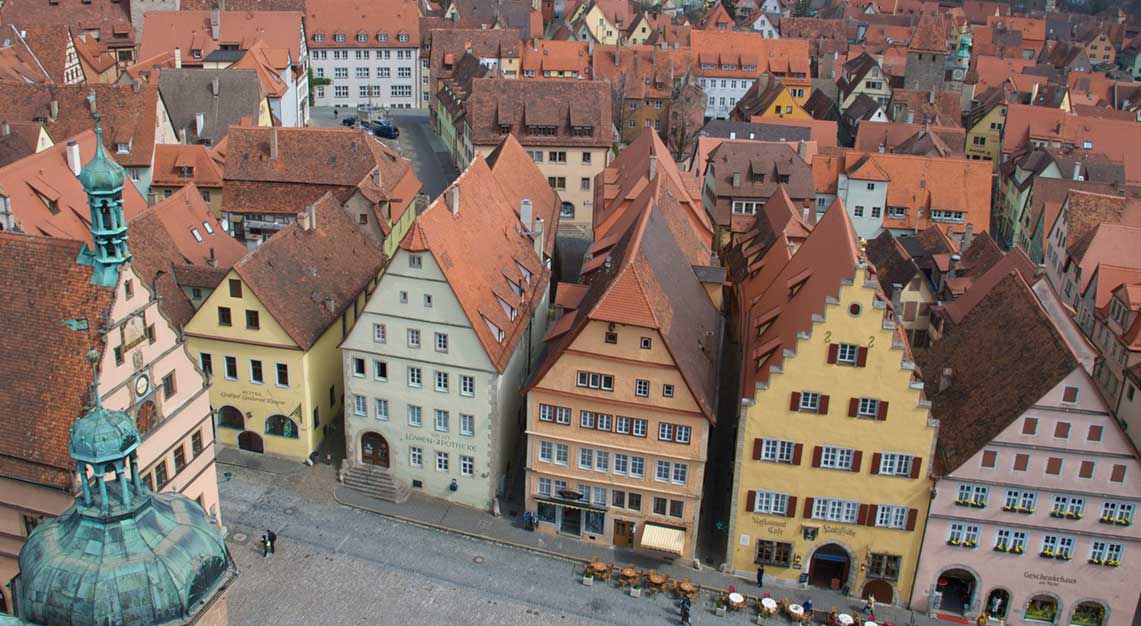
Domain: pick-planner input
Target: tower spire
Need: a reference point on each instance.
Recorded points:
(103, 181)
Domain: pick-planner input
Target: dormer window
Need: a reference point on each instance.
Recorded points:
(525, 272)
(547, 131)
(504, 129)
(402, 38)
(186, 171)
(582, 131)
(208, 227)
(362, 38)
(382, 38)
(758, 177)
(1117, 312)
(728, 68)
(508, 310)
(319, 38)
(197, 235)
(122, 148)
(196, 53)
(339, 38)
(495, 330)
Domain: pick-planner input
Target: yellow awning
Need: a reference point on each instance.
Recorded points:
(663, 538)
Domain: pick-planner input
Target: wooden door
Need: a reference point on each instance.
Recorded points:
(374, 450)
(623, 533)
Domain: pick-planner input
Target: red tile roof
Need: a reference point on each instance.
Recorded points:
(18, 63)
(993, 71)
(929, 140)
(782, 57)
(1109, 244)
(559, 103)
(1013, 261)
(520, 180)
(641, 72)
(190, 31)
(544, 55)
(360, 17)
(170, 159)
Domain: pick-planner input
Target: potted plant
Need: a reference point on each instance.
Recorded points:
(1106, 519)
(970, 544)
(952, 542)
(1009, 508)
(1112, 563)
(1063, 557)
(1025, 509)
(1000, 547)
(1047, 554)
(978, 503)
(1057, 513)
(1124, 521)
(1094, 561)
(722, 608)
(962, 502)
(1016, 550)
(636, 590)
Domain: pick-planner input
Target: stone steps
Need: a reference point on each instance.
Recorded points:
(376, 482)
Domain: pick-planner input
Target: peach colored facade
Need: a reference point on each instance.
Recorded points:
(621, 500)
(1043, 485)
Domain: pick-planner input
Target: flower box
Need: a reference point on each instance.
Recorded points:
(1000, 548)
(963, 502)
(1107, 520)
(1111, 563)
(635, 592)
(1095, 561)
(1008, 508)
(970, 544)
(1046, 554)
(588, 580)
(1122, 522)
(1063, 557)
(1016, 550)
(952, 542)
(1057, 513)
(1025, 510)
(978, 504)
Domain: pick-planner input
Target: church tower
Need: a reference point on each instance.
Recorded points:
(103, 179)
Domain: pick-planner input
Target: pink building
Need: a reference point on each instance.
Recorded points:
(1032, 517)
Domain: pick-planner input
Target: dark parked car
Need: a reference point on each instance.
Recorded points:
(385, 128)
(349, 121)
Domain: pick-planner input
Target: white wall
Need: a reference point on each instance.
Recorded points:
(722, 94)
(325, 64)
(868, 198)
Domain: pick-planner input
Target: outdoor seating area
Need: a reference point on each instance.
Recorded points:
(649, 581)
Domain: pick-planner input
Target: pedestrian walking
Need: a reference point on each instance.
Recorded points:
(685, 614)
(761, 576)
(807, 604)
(264, 547)
(271, 539)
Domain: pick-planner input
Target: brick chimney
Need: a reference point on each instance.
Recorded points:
(273, 143)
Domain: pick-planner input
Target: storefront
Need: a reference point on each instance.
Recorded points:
(571, 513)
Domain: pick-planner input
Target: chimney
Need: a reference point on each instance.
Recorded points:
(308, 218)
(376, 178)
(178, 58)
(590, 48)
(136, 86)
(897, 300)
(5, 129)
(946, 378)
(73, 160)
(330, 305)
(953, 271)
(653, 166)
(881, 148)
(215, 23)
(802, 150)
(968, 236)
(535, 44)
(53, 109)
(273, 143)
(537, 237)
(931, 96)
(453, 199)
(182, 135)
(736, 179)
(199, 123)
(910, 116)
(1077, 169)
(526, 214)
(212, 261)
(804, 215)
(214, 86)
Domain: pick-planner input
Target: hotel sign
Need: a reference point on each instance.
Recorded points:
(251, 395)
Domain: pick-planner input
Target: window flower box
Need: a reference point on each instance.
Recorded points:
(1123, 522)
(970, 544)
(1107, 519)
(1073, 515)
(1047, 554)
(1094, 561)
(978, 504)
(952, 542)
(1025, 510)
(1016, 550)
(1111, 563)
(1000, 548)
(1063, 557)
(963, 502)
(1009, 509)
(1057, 513)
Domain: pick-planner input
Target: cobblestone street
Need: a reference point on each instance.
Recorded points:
(340, 565)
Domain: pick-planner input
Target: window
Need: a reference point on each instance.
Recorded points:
(441, 342)
(1116, 513)
(859, 211)
(168, 386)
(441, 461)
(835, 510)
(637, 467)
(1068, 506)
(1058, 547)
(622, 425)
(586, 419)
(380, 370)
(1012, 541)
(415, 416)
(562, 415)
(773, 553)
(665, 431)
(680, 473)
(621, 463)
(160, 474)
(640, 427)
(235, 286)
(179, 459)
(777, 450)
(868, 407)
(1062, 430)
(892, 464)
(360, 406)
(282, 374)
(224, 318)
(847, 353)
(1103, 553)
(544, 486)
(682, 434)
(557, 182)
(601, 461)
(667, 391)
(414, 377)
(358, 367)
(965, 535)
(441, 420)
(884, 566)
(585, 458)
(379, 333)
(1019, 501)
(972, 495)
(427, 300)
(546, 451)
(403, 297)
(832, 457)
(231, 364)
(467, 466)
(770, 502)
(809, 401)
(894, 517)
(989, 458)
(562, 453)
(662, 471)
(256, 372)
(442, 381)
(416, 456)
(413, 338)
(381, 409)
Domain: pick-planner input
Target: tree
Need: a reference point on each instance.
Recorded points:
(730, 7)
(622, 113)
(684, 119)
(802, 8)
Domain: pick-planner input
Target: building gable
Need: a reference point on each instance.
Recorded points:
(206, 321)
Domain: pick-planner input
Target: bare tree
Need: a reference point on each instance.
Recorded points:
(685, 118)
(619, 89)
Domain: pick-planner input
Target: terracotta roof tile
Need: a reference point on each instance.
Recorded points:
(170, 159)
(1108, 244)
(191, 31)
(782, 57)
(561, 104)
(917, 139)
(78, 14)
(930, 34)
(520, 180)
(359, 17)
(983, 282)
(18, 61)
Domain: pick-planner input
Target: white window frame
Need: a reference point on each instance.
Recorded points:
(381, 408)
(837, 458)
(896, 464)
(777, 450)
(416, 456)
(441, 419)
(467, 424)
(770, 502)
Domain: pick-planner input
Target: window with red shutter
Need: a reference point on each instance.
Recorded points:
(862, 357)
(1030, 426)
(1118, 474)
(873, 512)
(875, 468)
(1053, 466)
(823, 405)
(1070, 395)
(817, 452)
(916, 465)
(1021, 462)
(797, 451)
(990, 458)
(1094, 433)
(794, 401)
(751, 501)
(881, 410)
(862, 515)
(756, 449)
(857, 456)
(1086, 470)
(1062, 430)
(791, 510)
(912, 517)
(853, 407)
(833, 350)
(808, 508)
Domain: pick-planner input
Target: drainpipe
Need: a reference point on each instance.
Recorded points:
(915, 575)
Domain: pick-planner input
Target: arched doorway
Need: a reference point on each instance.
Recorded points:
(1088, 614)
(1042, 608)
(374, 450)
(230, 417)
(997, 603)
(145, 417)
(956, 588)
(249, 440)
(880, 589)
(281, 426)
(829, 567)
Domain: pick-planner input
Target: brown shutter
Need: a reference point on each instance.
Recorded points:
(791, 510)
(912, 515)
(857, 456)
(1094, 433)
(1086, 470)
(1117, 474)
(916, 464)
(853, 407)
(873, 511)
(1062, 430)
(794, 402)
(862, 516)
(909, 310)
(833, 350)
(807, 508)
(861, 357)
(881, 411)
(823, 405)
(1030, 426)
(797, 450)
(875, 469)
(817, 452)
(757, 449)
(1054, 466)
(989, 458)
(1021, 462)
(751, 501)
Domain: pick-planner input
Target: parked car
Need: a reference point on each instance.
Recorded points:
(349, 121)
(385, 128)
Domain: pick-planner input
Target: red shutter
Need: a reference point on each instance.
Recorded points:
(797, 450)
(791, 510)
(1086, 470)
(808, 508)
(862, 516)
(833, 350)
(823, 405)
(853, 407)
(912, 515)
(1094, 433)
(916, 463)
(861, 357)
(1054, 465)
(794, 402)
(751, 501)
(881, 412)
(1117, 474)
(757, 449)
(857, 456)
(873, 511)
(1030, 426)
(875, 469)
(817, 452)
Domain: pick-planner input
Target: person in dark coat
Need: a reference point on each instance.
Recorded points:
(264, 547)
(760, 575)
(271, 538)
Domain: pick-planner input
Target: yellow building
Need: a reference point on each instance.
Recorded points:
(1100, 49)
(771, 99)
(269, 334)
(984, 127)
(835, 437)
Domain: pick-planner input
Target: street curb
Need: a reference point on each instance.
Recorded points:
(489, 539)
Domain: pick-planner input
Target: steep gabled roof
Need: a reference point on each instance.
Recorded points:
(519, 179)
(982, 284)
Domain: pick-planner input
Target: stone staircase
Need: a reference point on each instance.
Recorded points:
(376, 482)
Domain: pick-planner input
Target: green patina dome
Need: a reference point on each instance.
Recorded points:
(102, 436)
(102, 173)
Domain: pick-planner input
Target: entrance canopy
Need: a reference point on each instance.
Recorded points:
(663, 538)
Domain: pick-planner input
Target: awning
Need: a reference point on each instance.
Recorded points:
(585, 506)
(663, 538)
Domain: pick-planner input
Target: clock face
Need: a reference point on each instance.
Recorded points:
(142, 385)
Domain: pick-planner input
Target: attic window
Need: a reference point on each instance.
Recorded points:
(186, 171)
(339, 38)
(196, 53)
(548, 131)
(516, 288)
(319, 38)
(582, 131)
(1087, 145)
(728, 68)
(362, 38)
(122, 148)
(766, 352)
(402, 38)
(749, 68)
(766, 320)
(796, 282)
(382, 38)
(525, 272)
(208, 227)
(504, 129)
(508, 310)
(758, 177)
(495, 331)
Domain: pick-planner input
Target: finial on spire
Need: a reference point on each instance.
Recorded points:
(92, 357)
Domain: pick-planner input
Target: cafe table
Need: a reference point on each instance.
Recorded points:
(796, 610)
(845, 619)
